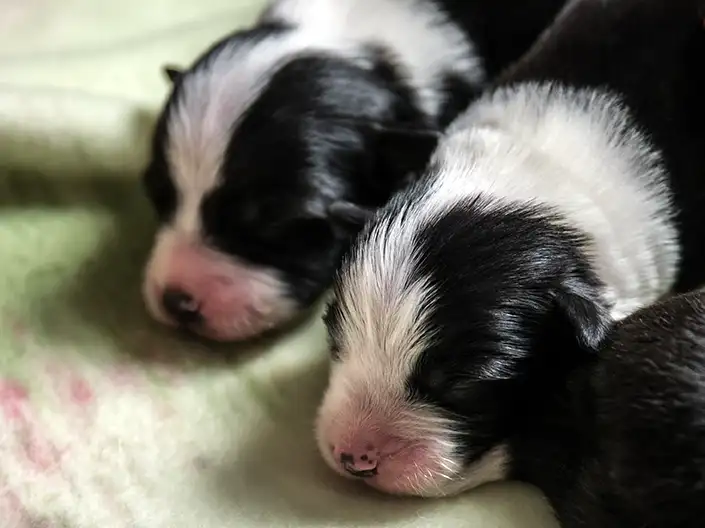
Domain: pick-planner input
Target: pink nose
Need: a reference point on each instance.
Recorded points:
(361, 463)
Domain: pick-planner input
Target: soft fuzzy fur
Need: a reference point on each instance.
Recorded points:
(564, 199)
(619, 440)
(275, 143)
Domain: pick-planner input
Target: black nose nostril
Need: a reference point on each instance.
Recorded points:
(181, 306)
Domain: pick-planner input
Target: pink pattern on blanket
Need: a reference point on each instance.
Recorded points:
(81, 392)
(69, 386)
(36, 449)
(68, 392)
(39, 451)
(12, 511)
(13, 398)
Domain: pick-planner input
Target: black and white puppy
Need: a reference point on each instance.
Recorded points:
(276, 141)
(564, 199)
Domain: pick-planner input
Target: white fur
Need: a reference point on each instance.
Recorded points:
(199, 128)
(371, 399)
(176, 258)
(493, 466)
(573, 150)
(421, 36)
(539, 144)
(576, 151)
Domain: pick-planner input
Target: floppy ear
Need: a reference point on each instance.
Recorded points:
(172, 73)
(348, 216)
(404, 151)
(580, 303)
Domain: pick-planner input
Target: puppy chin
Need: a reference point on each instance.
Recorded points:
(417, 451)
(235, 300)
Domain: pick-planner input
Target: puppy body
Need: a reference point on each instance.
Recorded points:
(648, 54)
(558, 203)
(278, 139)
(619, 442)
(571, 157)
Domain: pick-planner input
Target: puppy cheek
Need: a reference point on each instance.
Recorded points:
(244, 307)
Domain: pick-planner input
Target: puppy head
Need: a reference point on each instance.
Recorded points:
(264, 163)
(443, 327)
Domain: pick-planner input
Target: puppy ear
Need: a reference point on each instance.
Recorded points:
(172, 73)
(349, 216)
(405, 151)
(580, 303)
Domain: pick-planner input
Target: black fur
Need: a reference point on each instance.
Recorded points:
(502, 30)
(327, 142)
(490, 314)
(157, 179)
(619, 442)
(274, 211)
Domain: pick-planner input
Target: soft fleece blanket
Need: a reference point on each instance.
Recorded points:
(107, 420)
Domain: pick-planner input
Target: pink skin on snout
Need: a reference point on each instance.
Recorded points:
(383, 461)
(387, 443)
(233, 300)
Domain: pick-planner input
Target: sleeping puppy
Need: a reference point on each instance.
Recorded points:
(564, 199)
(614, 440)
(273, 146)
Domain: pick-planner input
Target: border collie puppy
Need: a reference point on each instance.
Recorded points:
(564, 199)
(275, 142)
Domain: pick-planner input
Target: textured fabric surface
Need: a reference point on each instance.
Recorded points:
(107, 420)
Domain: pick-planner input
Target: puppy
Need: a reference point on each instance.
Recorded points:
(272, 147)
(564, 199)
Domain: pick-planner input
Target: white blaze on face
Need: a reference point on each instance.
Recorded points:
(235, 299)
(381, 333)
(420, 36)
(417, 450)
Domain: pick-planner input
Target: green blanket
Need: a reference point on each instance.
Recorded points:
(107, 420)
